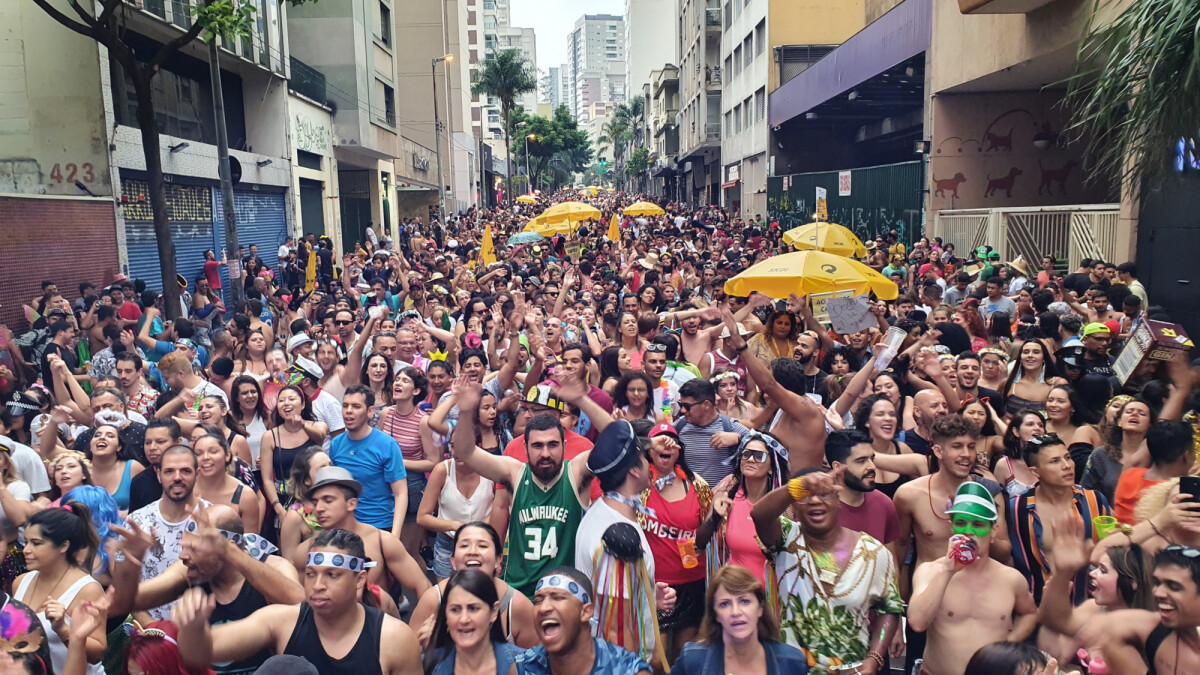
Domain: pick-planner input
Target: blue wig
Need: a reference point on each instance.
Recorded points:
(104, 511)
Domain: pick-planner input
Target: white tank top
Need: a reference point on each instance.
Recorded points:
(58, 649)
(452, 505)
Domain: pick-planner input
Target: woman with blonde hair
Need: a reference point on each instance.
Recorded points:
(738, 632)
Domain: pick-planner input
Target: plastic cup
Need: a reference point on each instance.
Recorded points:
(1102, 526)
(892, 341)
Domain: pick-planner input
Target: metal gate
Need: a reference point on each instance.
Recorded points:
(190, 217)
(261, 220)
(881, 198)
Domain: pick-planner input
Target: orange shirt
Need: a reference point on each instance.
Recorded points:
(1130, 486)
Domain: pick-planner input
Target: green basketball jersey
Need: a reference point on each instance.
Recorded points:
(541, 529)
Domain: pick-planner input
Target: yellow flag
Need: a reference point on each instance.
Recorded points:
(310, 272)
(614, 229)
(488, 250)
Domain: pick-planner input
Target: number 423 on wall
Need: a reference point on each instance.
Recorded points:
(69, 173)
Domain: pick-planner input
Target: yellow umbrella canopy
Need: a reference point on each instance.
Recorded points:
(643, 209)
(808, 272)
(828, 237)
(546, 229)
(569, 212)
(527, 199)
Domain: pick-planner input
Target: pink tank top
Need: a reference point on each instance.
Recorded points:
(740, 539)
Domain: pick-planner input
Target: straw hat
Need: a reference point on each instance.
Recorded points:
(1020, 265)
(650, 261)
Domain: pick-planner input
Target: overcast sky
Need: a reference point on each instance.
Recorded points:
(553, 19)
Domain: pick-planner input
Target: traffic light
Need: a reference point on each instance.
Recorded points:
(602, 165)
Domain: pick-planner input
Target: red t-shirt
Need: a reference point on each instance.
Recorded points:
(130, 312)
(212, 272)
(876, 516)
(574, 445)
(675, 520)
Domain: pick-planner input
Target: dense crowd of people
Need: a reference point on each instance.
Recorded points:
(453, 453)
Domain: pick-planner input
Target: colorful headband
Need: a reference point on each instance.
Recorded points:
(994, 350)
(726, 375)
(339, 560)
(255, 546)
(1120, 399)
(565, 584)
(134, 629)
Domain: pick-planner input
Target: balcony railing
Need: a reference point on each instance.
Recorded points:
(712, 131)
(712, 17)
(1069, 233)
(307, 81)
(712, 76)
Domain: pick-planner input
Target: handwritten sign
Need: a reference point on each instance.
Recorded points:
(850, 315)
(572, 249)
(819, 302)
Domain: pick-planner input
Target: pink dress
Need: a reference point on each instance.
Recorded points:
(740, 539)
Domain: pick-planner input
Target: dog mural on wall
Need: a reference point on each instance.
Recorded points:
(1052, 176)
(993, 141)
(1004, 183)
(950, 184)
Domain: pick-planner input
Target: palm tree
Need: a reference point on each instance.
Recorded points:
(637, 118)
(506, 76)
(1136, 83)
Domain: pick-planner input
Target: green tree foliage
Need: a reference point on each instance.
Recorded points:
(106, 23)
(1136, 86)
(505, 75)
(638, 164)
(558, 148)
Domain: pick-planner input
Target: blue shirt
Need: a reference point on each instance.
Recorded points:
(610, 660)
(375, 462)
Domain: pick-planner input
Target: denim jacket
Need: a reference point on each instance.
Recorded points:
(505, 656)
(704, 659)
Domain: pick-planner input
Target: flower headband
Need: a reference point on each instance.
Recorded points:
(994, 350)
(726, 375)
(563, 583)
(339, 560)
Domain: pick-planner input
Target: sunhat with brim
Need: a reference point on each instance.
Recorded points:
(973, 500)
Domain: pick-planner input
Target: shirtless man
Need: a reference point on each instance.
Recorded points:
(697, 340)
(335, 495)
(332, 629)
(800, 425)
(921, 503)
(966, 602)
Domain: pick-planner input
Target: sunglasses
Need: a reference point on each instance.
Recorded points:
(755, 455)
(1045, 440)
(653, 347)
(688, 406)
(343, 322)
(1185, 551)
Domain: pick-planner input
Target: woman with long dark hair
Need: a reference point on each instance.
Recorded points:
(214, 484)
(1067, 416)
(614, 362)
(739, 632)
(1000, 329)
(252, 356)
(250, 413)
(634, 397)
(876, 414)
(991, 434)
(477, 546)
(1010, 469)
(300, 524)
(108, 471)
(467, 639)
(294, 430)
(60, 544)
(778, 338)
(403, 421)
(1132, 419)
(1031, 378)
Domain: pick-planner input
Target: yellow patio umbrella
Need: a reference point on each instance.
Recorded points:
(527, 199)
(643, 209)
(547, 230)
(569, 212)
(828, 237)
(808, 272)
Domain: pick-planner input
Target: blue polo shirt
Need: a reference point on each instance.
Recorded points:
(375, 462)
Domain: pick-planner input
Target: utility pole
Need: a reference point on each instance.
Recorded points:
(437, 135)
(236, 289)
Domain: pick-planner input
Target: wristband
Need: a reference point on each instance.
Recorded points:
(796, 489)
(874, 655)
(743, 348)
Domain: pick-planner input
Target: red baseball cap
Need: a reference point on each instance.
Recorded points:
(664, 428)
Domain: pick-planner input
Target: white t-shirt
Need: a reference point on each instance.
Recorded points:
(284, 250)
(29, 465)
(19, 489)
(170, 544)
(589, 537)
(327, 409)
(206, 388)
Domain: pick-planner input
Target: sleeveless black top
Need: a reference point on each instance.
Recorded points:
(1153, 642)
(363, 658)
(248, 601)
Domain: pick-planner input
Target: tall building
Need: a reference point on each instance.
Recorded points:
(550, 89)
(699, 117)
(596, 62)
(524, 41)
(496, 33)
(650, 36)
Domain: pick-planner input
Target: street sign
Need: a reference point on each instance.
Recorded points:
(843, 183)
(822, 205)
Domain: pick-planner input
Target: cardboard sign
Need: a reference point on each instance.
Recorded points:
(818, 302)
(572, 249)
(850, 315)
(822, 205)
(1151, 340)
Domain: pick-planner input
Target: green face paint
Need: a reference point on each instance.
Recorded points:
(979, 528)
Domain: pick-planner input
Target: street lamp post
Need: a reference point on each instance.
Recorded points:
(437, 136)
